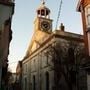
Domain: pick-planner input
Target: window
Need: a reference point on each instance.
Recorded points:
(47, 80)
(88, 10)
(34, 65)
(47, 59)
(25, 84)
(88, 16)
(88, 19)
(34, 84)
(26, 68)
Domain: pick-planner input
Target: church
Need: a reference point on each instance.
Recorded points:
(49, 63)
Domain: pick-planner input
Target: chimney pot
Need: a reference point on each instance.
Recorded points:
(62, 27)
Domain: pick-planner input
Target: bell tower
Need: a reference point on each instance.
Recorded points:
(43, 21)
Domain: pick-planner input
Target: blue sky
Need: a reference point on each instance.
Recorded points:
(23, 27)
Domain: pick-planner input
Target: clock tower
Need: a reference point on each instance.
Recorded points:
(43, 21)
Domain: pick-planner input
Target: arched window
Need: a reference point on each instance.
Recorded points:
(47, 80)
(34, 83)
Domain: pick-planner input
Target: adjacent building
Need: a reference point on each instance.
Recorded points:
(6, 13)
(19, 74)
(84, 8)
(42, 65)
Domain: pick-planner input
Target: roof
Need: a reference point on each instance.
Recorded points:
(57, 34)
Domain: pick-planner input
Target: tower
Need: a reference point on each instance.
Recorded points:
(43, 21)
(84, 7)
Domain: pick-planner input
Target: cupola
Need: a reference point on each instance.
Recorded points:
(43, 11)
(42, 21)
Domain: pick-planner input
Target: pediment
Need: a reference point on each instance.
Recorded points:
(38, 38)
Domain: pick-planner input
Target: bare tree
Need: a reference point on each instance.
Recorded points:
(67, 59)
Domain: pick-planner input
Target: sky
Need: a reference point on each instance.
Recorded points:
(23, 24)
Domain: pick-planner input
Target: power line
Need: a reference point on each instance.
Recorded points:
(59, 12)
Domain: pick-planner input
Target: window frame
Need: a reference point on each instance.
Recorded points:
(87, 15)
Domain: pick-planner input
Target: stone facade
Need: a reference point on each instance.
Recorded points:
(36, 65)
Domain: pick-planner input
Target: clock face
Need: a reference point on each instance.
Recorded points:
(45, 25)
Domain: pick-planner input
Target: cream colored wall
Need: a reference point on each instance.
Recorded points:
(38, 66)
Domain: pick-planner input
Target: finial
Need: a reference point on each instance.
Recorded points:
(43, 2)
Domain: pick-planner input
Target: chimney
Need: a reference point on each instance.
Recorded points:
(62, 27)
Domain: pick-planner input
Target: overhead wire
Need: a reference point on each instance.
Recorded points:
(59, 12)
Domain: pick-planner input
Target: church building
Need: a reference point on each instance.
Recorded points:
(51, 57)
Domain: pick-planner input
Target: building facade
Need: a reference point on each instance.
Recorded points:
(42, 66)
(84, 8)
(6, 12)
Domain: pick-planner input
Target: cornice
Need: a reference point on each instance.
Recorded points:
(7, 3)
(58, 34)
